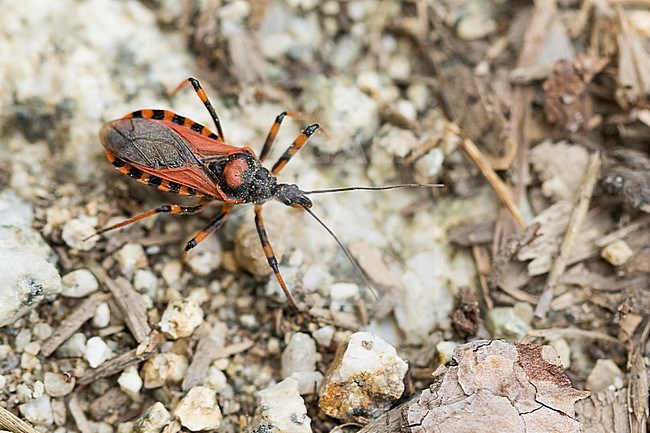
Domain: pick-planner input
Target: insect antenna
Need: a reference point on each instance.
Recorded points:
(375, 188)
(347, 253)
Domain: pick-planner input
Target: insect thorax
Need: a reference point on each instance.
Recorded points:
(242, 178)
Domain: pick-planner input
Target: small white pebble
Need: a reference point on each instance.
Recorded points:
(324, 335)
(205, 257)
(102, 316)
(152, 420)
(97, 352)
(216, 379)
(130, 381)
(58, 385)
(131, 257)
(617, 253)
(23, 338)
(406, 109)
(38, 411)
(181, 318)
(3, 382)
(341, 291)
(399, 68)
(76, 230)
(445, 351)
(163, 368)
(199, 410)
(33, 347)
(299, 355)
(42, 331)
(79, 284)
(73, 347)
(145, 281)
(171, 272)
(39, 389)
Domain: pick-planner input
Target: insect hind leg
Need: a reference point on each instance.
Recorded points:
(166, 208)
(207, 230)
(204, 98)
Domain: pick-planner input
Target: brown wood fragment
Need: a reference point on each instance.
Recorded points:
(133, 357)
(10, 422)
(482, 260)
(108, 404)
(637, 375)
(73, 322)
(203, 357)
(578, 215)
(233, 349)
(78, 415)
(481, 232)
(132, 307)
(59, 411)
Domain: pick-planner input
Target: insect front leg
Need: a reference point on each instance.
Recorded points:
(166, 208)
(273, 132)
(204, 98)
(270, 255)
(213, 226)
(294, 148)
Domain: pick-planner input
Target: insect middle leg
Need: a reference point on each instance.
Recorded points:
(270, 255)
(166, 208)
(213, 226)
(273, 132)
(294, 148)
(204, 98)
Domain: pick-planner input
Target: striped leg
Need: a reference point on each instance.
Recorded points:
(294, 148)
(214, 225)
(166, 208)
(274, 132)
(204, 98)
(270, 255)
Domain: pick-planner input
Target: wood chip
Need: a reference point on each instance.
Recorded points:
(116, 365)
(109, 403)
(132, 307)
(578, 215)
(73, 322)
(203, 357)
(78, 415)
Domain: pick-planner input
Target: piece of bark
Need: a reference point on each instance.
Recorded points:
(10, 422)
(132, 307)
(495, 387)
(116, 365)
(203, 357)
(567, 104)
(604, 412)
(108, 404)
(633, 63)
(466, 317)
(73, 322)
(472, 234)
(553, 222)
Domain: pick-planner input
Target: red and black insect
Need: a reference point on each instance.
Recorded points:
(175, 154)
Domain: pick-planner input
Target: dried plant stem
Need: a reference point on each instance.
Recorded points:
(580, 209)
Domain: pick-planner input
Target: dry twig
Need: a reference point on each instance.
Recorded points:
(578, 215)
(73, 322)
(132, 307)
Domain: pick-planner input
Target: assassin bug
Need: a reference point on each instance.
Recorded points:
(175, 154)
